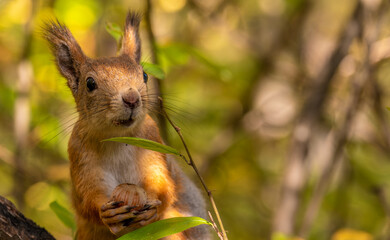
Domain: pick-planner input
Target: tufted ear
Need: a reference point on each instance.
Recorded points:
(67, 52)
(131, 44)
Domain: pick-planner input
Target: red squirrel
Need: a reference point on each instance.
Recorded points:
(112, 100)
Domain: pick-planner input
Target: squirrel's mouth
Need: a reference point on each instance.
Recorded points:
(125, 123)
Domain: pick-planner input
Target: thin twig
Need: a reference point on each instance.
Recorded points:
(191, 162)
(214, 225)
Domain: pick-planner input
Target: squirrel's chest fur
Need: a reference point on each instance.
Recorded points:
(120, 165)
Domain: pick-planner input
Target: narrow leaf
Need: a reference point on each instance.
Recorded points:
(64, 215)
(114, 30)
(145, 143)
(153, 69)
(164, 228)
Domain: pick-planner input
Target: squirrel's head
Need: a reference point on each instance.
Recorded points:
(109, 92)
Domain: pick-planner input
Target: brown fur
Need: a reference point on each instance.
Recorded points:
(98, 167)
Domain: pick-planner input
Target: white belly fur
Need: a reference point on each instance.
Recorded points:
(120, 166)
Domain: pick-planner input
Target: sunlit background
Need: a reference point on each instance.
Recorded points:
(238, 76)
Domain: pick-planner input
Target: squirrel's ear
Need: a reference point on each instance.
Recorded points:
(131, 44)
(68, 54)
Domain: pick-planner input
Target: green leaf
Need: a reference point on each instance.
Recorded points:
(145, 143)
(153, 69)
(114, 30)
(64, 215)
(388, 108)
(164, 228)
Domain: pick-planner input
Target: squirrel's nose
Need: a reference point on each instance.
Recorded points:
(131, 98)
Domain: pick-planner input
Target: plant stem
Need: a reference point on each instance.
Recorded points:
(193, 165)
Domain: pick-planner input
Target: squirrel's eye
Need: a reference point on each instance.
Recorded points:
(91, 84)
(145, 77)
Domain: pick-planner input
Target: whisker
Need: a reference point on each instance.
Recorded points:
(65, 129)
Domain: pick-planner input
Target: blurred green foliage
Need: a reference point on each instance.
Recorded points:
(234, 94)
(66, 216)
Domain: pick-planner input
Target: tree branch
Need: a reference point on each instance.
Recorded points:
(295, 174)
(360, 82)
(14, 226)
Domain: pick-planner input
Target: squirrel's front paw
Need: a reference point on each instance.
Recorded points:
(114, 213)
(121, 218)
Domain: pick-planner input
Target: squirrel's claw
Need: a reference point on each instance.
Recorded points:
(111, 205)
(118, 218)
(113, 218)
(109, 213)
(145, 217)
(126, 222)
(121, 218)
(150, 204)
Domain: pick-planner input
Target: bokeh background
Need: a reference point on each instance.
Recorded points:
(283, 104)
